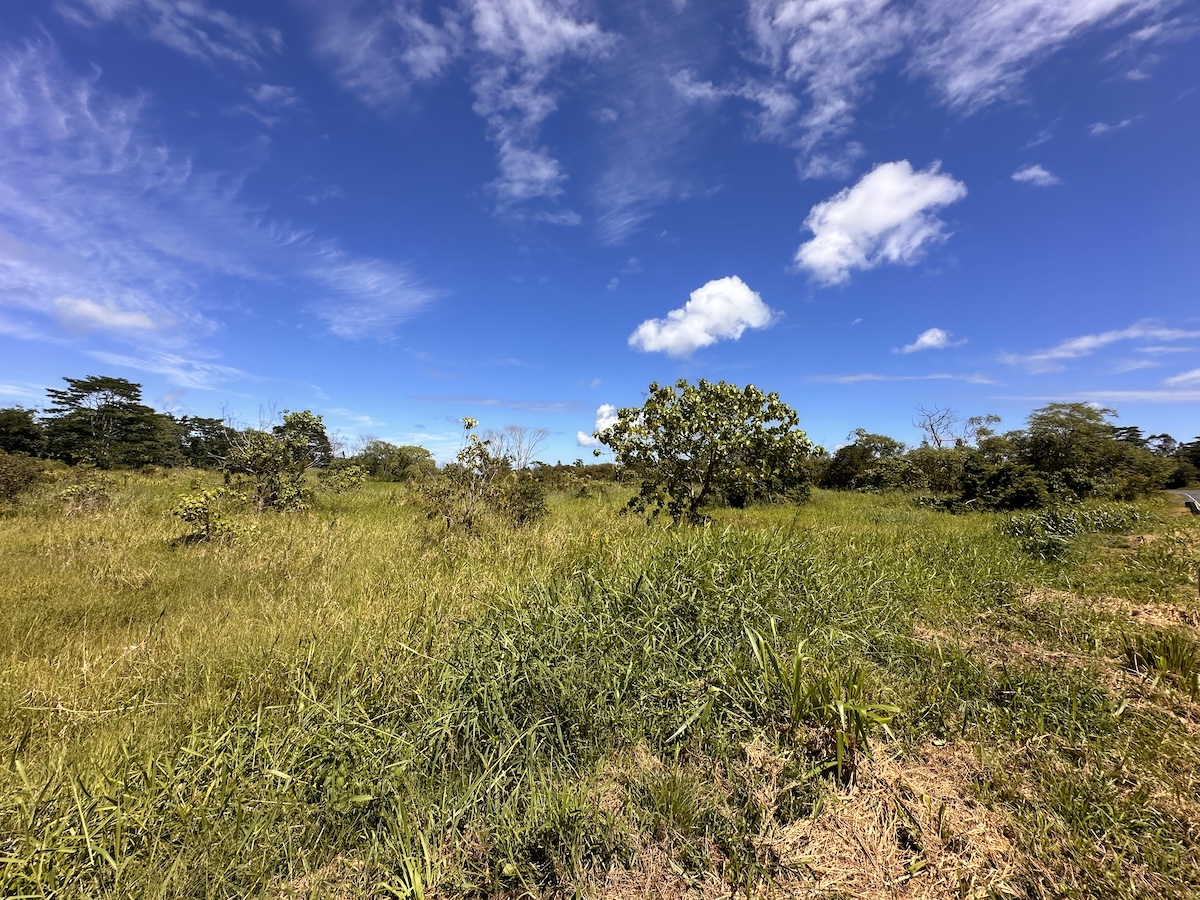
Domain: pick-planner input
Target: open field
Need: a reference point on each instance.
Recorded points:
(854, 698)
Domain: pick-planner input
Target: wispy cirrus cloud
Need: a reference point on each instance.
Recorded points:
(371, 297)
(107, 232)
(182, 370)
(194, 28)
(1051, 359)
(887, 217)
(520, 45)
(822, 59)
(380, 51)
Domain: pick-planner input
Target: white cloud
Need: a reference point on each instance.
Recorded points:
(606, 417)
(379, 52)
(520, 44)
(1096, 129)
(822, 56)
(1184, 379)
(887, 217)
(1050, 359)
(82, 314)
(373, 297)
(180, 370)
(104, 229)
(932, 339)
(191, 27)
(1036, 175)
(720, 310)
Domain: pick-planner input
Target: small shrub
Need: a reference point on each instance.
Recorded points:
(207, 512)
(89, 494)
(342, 478)
(19, 474)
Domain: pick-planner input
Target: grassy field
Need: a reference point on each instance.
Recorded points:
(859, 697)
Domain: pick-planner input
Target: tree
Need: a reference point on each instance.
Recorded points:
(103, 421)
(516, 442)
(851, 464)
(937, 424)
(20, 432)
(277, 460)
(387, 462)
(690, 443)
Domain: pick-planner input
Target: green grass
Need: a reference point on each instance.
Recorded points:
(357, 702)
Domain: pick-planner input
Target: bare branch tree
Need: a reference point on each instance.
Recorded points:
(938, 424)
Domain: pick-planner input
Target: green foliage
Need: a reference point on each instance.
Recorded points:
(276, 461)
(691, 443)
(850, 466)
(1173, 654)
(19, 475)
(208, 513)
(1048, 533)
(102, 421)
(803, 691)
(481, 485)
(89, 492)
(342, 477)
(388, 462)
(20, 432)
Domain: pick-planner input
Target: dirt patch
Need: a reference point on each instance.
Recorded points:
(1156, 615)
(908, 829)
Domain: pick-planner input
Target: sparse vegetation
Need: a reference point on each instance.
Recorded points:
(346, 705)
(482, 680)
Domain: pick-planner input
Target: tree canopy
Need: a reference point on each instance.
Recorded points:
(690, 443)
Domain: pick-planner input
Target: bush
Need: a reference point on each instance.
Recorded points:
(91, 491)
(342, 477)
(207, 512)
(19, 474)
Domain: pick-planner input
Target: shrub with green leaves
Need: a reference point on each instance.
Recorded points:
(19, 474)
(208, 513)
(341, 477)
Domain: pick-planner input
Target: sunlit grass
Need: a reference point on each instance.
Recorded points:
(356, 700)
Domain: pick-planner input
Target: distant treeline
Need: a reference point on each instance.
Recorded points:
(1067, 451)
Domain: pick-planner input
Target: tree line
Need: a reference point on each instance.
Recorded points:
(688, 446)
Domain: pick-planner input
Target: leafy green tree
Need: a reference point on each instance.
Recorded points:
(851, 464)
(203, 442)
(276, 461)
(387, 462)
(102, 420)
(20, 432)
(690, 444)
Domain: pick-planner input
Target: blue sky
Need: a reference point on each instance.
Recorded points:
(399, 213)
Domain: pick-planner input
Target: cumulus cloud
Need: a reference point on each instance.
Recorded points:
(887, 217)
(932, 339)
(720, 310)
(1036, 175)
(606, 417)
(1051, 358)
